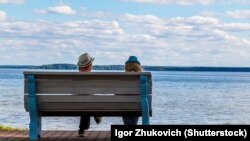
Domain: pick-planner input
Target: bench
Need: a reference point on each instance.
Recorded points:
(86, 93)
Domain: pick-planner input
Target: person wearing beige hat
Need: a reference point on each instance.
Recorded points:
(85, 62)
(85, 65)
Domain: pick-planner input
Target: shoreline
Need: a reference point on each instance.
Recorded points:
(121, 67)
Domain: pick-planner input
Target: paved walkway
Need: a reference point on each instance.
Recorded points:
(56, 136)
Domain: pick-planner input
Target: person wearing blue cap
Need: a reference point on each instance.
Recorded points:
(132, 65)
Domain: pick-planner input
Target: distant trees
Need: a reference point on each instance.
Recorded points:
(102, 67)
(57, 66)
(121, 67)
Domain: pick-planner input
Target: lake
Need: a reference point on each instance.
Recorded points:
(178, 98)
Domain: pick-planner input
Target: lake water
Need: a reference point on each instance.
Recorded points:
(178, 98)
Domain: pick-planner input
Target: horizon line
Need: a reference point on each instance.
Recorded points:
(142, 65)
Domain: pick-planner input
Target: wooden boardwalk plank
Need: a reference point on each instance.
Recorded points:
(56, 136)
(18, 135)
(67, 134)
(103, 135)
(9, 135)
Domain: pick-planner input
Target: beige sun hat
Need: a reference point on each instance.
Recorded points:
(85, 60)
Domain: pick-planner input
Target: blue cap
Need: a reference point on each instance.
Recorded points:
(133, 59)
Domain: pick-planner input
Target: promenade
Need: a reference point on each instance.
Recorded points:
(56, 136)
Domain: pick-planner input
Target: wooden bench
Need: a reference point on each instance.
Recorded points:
(86, 93)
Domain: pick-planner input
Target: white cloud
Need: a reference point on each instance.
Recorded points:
(238, 27)
(190, 41)
(60, 9)
(189, 2)
(141, 18)
(181, 2)
(35, 39)
(240, 14)
(12, 1)
(195, 20)
(75, 28)
(98, 14)
(3, 16)
(193, 40)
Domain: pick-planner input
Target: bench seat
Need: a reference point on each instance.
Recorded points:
(86, 93)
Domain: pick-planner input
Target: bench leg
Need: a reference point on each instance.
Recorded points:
(35, 119)
(144, 100)
(35, 128)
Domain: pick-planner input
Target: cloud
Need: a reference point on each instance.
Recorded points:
(56, 41)
(237, 27)
(239, 14)
(141, 19)
(12, 1)
(61, 9)
(192, 40)
(180, 2)
(185, 41)
(3, 16)
(98, 14)
(154, 25)
(189, 2)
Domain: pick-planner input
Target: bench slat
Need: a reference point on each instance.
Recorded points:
(93, 113)
(82, 86)
(86, 79)
(53, 73)
(89, 99)
(85, 83)
(87, 106)
(88, 90)
(94, 98)
(88, 76)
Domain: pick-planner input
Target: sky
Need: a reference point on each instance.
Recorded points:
(158, 32)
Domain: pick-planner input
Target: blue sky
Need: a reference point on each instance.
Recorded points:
(158, 32)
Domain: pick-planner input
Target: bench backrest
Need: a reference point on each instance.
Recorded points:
(93, 93)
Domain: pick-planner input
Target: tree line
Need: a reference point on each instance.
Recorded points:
(121, 67)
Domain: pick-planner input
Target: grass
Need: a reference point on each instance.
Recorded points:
(9, 128)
